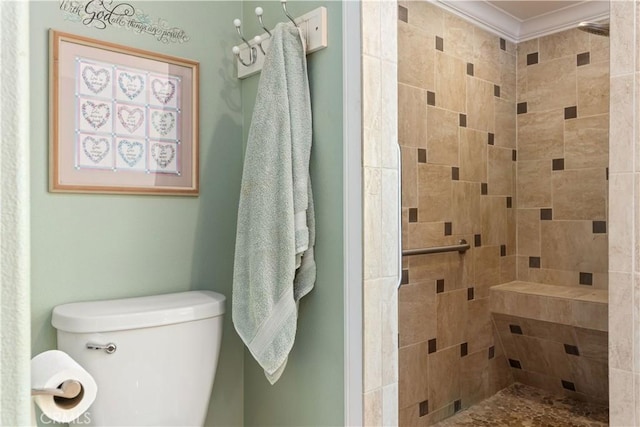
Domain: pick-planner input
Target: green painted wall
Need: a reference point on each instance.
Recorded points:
(311, 390)
(88, 247)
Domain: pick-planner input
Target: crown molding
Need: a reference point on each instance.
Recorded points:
(503, 24)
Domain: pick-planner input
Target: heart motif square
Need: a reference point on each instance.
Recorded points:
(163, 90)
(130, 118)
(96, 149)
(131, 84)
(163, 154)
(130, 151)
(96, 80)
(163, 122)
(96, 114)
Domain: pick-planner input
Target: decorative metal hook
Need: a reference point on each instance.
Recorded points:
(258, 41)
(253, 52)
(284, 8)
(259, 13)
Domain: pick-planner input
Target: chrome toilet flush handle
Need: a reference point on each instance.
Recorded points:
(108, 348)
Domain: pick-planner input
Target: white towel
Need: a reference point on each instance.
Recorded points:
(274, 263)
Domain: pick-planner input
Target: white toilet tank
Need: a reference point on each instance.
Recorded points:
(160, 369)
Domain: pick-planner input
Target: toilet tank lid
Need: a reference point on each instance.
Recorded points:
(140, 312)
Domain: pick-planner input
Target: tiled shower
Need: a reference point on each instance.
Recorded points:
(506, 147)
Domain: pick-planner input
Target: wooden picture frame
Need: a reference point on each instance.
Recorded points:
(122, 120)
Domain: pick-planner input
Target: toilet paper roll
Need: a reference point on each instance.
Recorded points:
(49, 370)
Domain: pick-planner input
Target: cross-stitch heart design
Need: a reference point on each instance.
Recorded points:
(130, 151)
(163, 91)
(96, 80)
(96, 114)
(163, 122)
(131, 118)
(131, 84)
(163, 154)
(95, 149)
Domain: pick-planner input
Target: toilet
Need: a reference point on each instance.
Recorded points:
(153, 358)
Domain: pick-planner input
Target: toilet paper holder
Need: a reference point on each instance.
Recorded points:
(68, 390)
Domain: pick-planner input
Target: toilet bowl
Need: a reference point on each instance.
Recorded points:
(153, 358)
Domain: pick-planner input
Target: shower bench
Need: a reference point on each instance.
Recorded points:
(554, 337)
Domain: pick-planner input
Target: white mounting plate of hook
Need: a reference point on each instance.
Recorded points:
(314, 27)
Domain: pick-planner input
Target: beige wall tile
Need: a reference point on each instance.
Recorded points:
(373, 408)
(409, 416)
(416, 313)
(621, 336)
(458, 37)
(389, 222)
(442, 136)
(389, 331)
(389, 32)
(586, 142)
(500, 375)
(622, 37)
(413, 375)
(473, 155)
(622, 122)
(551, 84)
(371, 150)
(426, 17)
(389, 115)
(371, 80)
(542, 356)
(478, 330)
(480, 105)
(508, 272)
(500, 171)
(556, 332)
(372, 341)
(621, 398)
(529, 232)
(486, 49)
(565, 43)
(590, 315)
(415, 70)
(592, 344)
(621, 216)
(474, 381)
(551, 276)
(508, 77)
(390, 405)
(371, 28)
(599, 48)
(593, 89)
(423, 234)
(505, 123)
(412, 116)
(534, 183)
(580, 194)
(409, 176)
(524, 49)
(434, 192)
(540, 135)
(465, 206)
(487, 269)
(451, 92)
(444, 370)
(571, 245)
(452, 318)
(494, 220)
(372, 223)
(534, 379)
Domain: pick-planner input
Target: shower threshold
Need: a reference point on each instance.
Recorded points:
(522, 405)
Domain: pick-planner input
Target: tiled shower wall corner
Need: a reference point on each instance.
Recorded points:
(624, 216)
(563, 155)
(457, 132)
(381, 211)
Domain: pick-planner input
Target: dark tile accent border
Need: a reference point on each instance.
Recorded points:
(431, 346)
(546, 214)
(571, 349)
(424, 408)
(440, 44)
(534, 262)
(557, 164)
(521, 108)
(439, 286)
(405, 277)
(457, 405)
(583, 59)
(599, 227)
(484, 188)
(491, 138)
(463, 120)
(496, 91)
(431, 98)
(503, 44)
(586, 279)
(413, 214)
(448, 229)
(455, 173)
(568, 385)
(422, 155)
(503, 250)
(515, 329)
(492, 352)
(514, 155)
(469, 69)
(570, 112)
(532, 58)
(470, 294)
(477, 240)
(515, 364)
(509, 202)
(464, 349)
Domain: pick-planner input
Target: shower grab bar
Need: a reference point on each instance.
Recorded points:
(461, 247)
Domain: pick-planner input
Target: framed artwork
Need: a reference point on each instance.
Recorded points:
(123, 120)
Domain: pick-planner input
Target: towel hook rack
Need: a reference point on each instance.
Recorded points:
(259, 13)
(284, 8)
